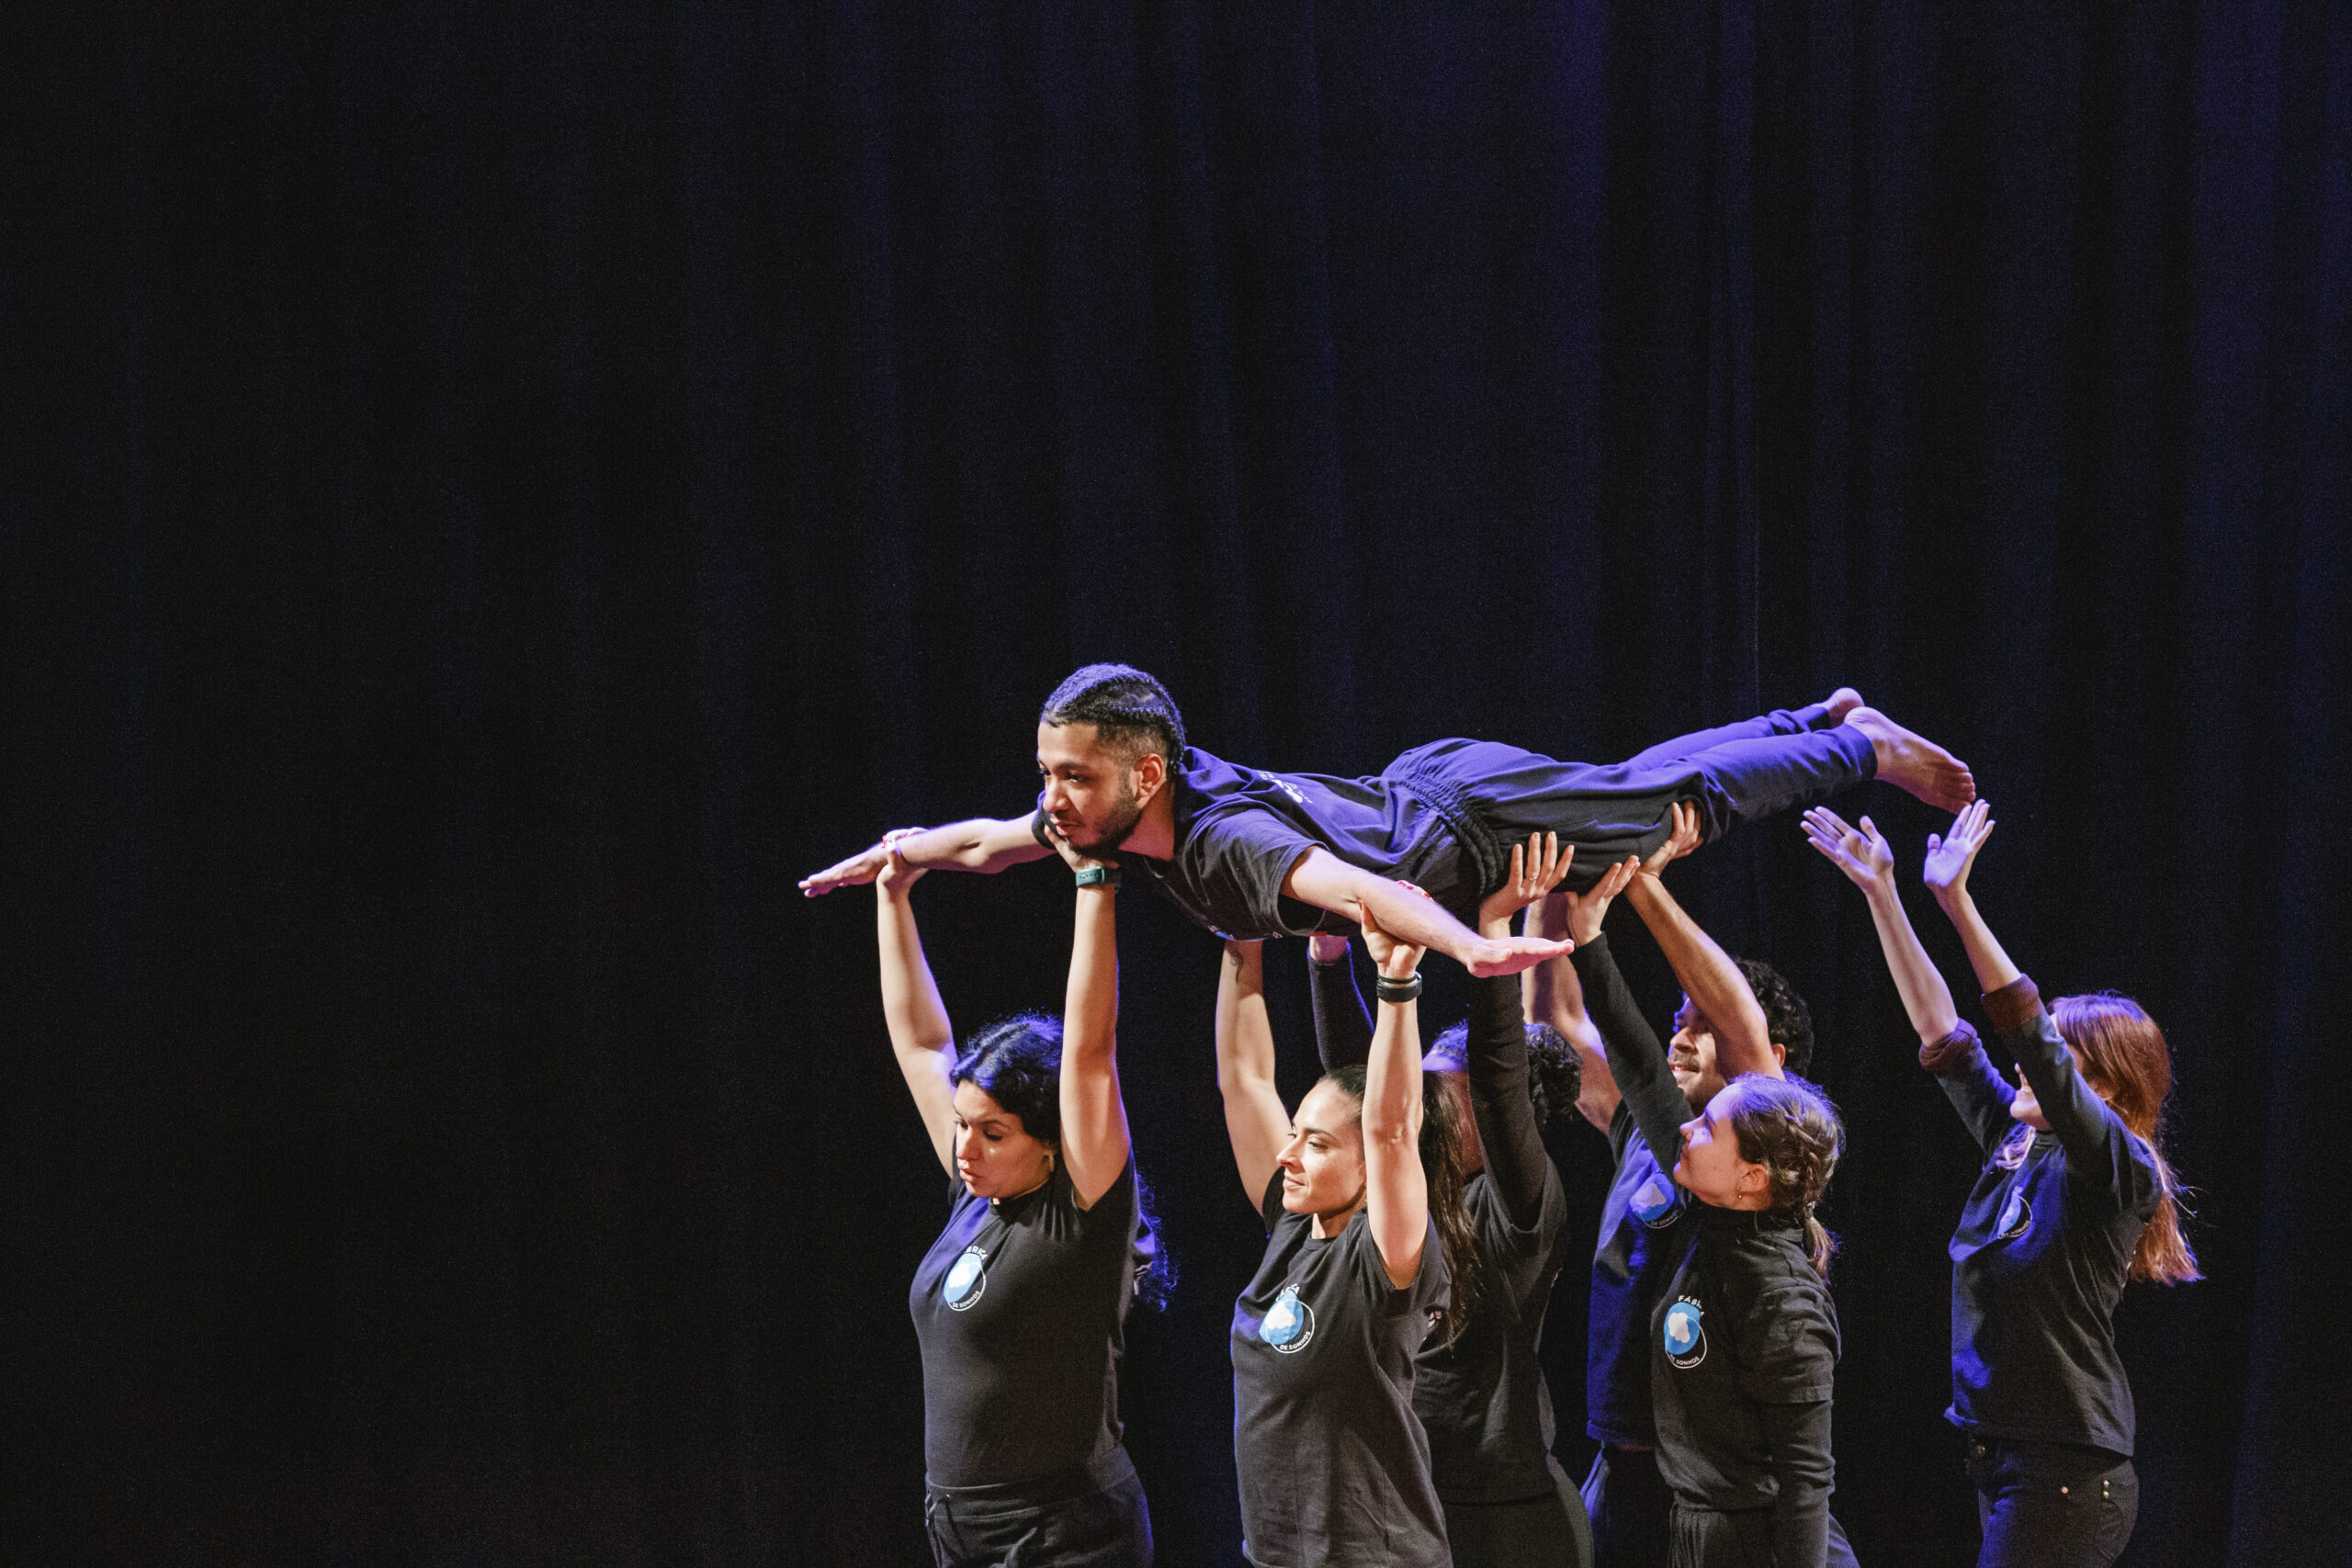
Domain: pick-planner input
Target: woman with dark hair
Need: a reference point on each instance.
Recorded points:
(1743, 1336)
(2074, 1199)
(1370, 1249)
(1481, 1394)
(1020, 1306)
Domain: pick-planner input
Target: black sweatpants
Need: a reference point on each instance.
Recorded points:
(1628, 1502)
(1094, 1518)
(1538, 1532)
(1496, 795)
(1710, 1538)
(2052, 1505)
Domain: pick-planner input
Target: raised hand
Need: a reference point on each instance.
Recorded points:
(860, 867)
(1951, 855)
(1536, 868)
(1681, 839)
(1860, 853)
(1584, 910)
(895, 876)
(1394, 959)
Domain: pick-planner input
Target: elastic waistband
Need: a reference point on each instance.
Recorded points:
(1698, 1510)
(1097, 1475)
(1449, 800)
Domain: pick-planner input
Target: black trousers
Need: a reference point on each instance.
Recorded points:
(1536, 1532)
(1628, 1503)
(1710, 1538)
(2051, 1505)
(1091, 1518)
(1495, 795)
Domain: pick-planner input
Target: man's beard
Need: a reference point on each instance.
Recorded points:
(1124, 822)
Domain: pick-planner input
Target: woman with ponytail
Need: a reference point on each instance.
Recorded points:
(2074, 1199)
(1021, 1305)
(1733, 1291)
(1480, 1393)
(1370, 1250)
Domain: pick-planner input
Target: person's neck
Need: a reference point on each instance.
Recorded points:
(1154, 834)
(1323, 1227)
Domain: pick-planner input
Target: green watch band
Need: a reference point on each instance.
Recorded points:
(1097, 876)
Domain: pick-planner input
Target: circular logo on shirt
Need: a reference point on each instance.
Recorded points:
(966, 1279)
(1290, 1325)
(1656, 1203)
(1686, 1336)
(2015, 1215)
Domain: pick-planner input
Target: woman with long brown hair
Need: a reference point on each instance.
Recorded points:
(2074, 1199)
(1370, 1249)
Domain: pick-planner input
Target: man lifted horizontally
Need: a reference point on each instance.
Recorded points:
(1248, 853)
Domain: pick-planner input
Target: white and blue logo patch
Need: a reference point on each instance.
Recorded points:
(1289, 1324)
(2017, 1214)
(1657, 1203)
(1686, 1334)
(967, 1279)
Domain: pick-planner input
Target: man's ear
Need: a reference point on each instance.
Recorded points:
(1150, 775)
(1780, 1055)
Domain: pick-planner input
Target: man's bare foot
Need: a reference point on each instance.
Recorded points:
(1915, 763)
(1840, 702)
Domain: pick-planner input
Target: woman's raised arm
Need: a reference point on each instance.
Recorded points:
(920, 1037)
(1254, 1117)
(1395, 1188)
(1095, 1140)
(1862, 854)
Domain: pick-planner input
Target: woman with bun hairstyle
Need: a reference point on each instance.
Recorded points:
(1481, 1394)
(1020, 1306)
(1370, 1250)
(2074, 1199)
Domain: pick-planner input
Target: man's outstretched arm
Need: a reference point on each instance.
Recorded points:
(981, 844)
(1324, 880)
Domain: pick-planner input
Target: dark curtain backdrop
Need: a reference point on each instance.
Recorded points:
(492, 494)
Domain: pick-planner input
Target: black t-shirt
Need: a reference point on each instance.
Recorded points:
(1482, 1397)
(1334, 1464)
(1743, 1352)
(1643, 1229)
(1239, 831)
(1021, 1308)
(2043, 1250)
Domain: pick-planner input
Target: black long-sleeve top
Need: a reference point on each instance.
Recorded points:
(1642, 1222)
(2046, 1242)
(1482, 1396)
(1742, 1339)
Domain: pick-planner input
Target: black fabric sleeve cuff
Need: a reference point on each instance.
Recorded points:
(2012, 1007)
(1946, 1057)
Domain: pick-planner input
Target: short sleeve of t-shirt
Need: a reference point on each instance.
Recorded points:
(1429, 1290)
(1241, 858)
(1788, 1347)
